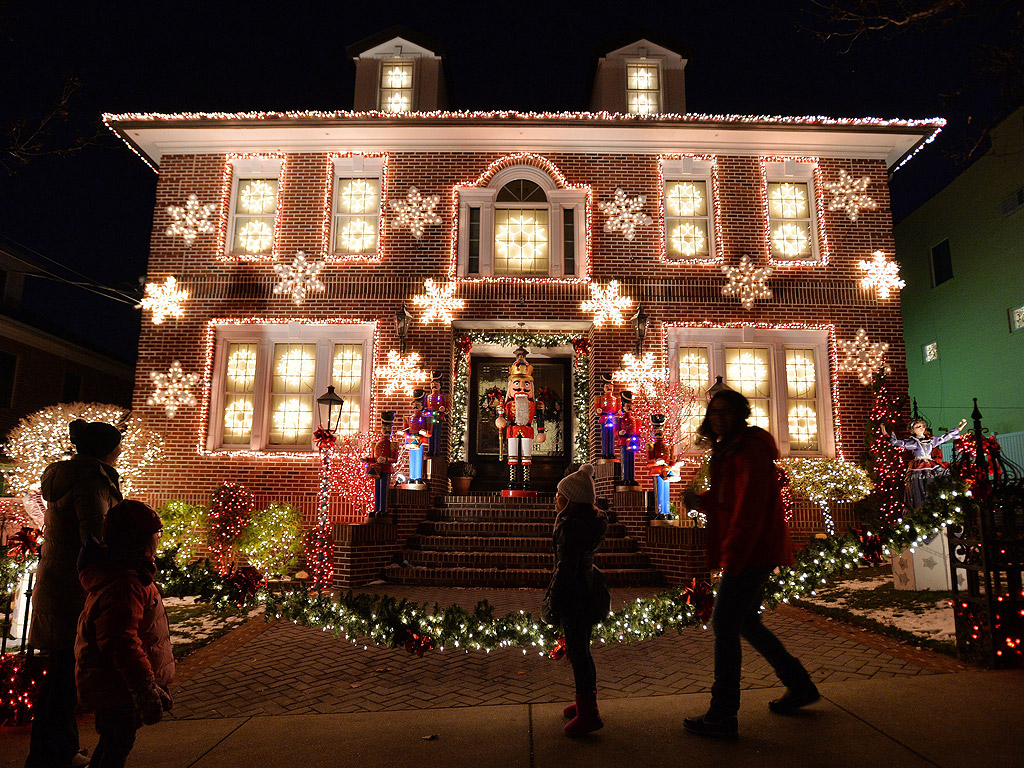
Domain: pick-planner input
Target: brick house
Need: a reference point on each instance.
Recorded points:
(522, 239)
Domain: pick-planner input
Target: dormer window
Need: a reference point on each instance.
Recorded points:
(643, 87)
(396, 85)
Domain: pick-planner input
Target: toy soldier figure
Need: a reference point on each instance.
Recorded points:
(417, 435)
(606, 405)
(627, 440)
(380, 464)
(437, 411)
(519, 413)
(662, 466)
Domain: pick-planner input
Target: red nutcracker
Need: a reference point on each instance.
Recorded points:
(662, 464)
(437, 411)
(417, 435)
(520, 412)
(627, 439)
(380, 464)
(606, 406)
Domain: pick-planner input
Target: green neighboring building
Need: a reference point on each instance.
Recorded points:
(962, 256)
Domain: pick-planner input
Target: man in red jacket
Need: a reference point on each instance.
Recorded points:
(747, 538)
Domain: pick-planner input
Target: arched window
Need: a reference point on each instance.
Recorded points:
(521, 225)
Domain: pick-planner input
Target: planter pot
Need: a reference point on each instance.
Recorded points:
(460, 485)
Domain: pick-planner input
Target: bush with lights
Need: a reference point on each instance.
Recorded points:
(184, 529)
(272, 540)
(230, 511)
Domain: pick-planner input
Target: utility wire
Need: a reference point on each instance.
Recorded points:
(90, 288)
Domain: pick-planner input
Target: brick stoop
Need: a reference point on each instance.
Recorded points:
(487, 541)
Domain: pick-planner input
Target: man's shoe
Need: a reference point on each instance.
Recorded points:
(715, 728)
(792, 700)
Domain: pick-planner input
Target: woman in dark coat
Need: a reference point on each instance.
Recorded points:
(577, 596)
(78, 493)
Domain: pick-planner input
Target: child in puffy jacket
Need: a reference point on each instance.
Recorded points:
(123, 649)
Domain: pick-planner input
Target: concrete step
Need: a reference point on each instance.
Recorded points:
(499, 529)
(606, 561)
(494, 577)
(494, 514)
(505, 543)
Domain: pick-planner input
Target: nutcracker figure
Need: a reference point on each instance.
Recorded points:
(437, 411)
(380, 464)
(606, 405)
(417, 435)
(627, 440)
(662, 466)
(518, 415)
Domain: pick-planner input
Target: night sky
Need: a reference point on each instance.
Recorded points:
(92, 211)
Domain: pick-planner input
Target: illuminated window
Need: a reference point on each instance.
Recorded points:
(267, 378)
(687, 219)
(252, 212)
(396, 86)
(694, 373)
(789, 219)
(778, 371)
(643, 87)
(930, 351)
(356, 215)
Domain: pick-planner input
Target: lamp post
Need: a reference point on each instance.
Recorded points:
(717, 387)
(402, 321)
(328, 411)
(640, 323)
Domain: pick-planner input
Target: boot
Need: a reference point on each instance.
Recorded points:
(526, 477)
(587, 719)
(511, 476)
(570, 711)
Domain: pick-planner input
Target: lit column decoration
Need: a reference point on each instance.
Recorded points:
(640, 374)
(439, 302)
(415, 213)
(625, 214)
(863, 357)
(747, 281)
(164, 300)
(401, 373)
(849, 194)
(173, 389)
(606, 304)
(190, 220)
(320, 541)
(882, 274)
(299, 278)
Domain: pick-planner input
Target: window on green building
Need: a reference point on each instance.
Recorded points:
(942, 263)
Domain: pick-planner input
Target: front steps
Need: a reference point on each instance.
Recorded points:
(486, 541)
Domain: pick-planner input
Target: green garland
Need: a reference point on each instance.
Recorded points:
(460, 388)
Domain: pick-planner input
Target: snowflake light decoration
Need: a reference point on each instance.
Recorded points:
(438, 302)
(625, 214)
(190, 220)
(401, 373)
(606, 304)
(639, 374)
(881, 274)
(173, 389)
(164, 300)
(863, 357)
(747, 282)
(849, 195)
(415, 213)
(299, 278)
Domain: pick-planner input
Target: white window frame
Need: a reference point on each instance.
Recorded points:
(559, 200)
(251, 168)
(410, 60)
(776, 340)
(356, 167)
(779, 172)
(646, 62)
(691, 169)
(265, 336)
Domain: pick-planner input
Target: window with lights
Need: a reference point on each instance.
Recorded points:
(689, 211)
(643, 87)
(521, 225)
(783, 373)
(356, 204)
(267, 378)
(792, 210)
(396, 85)
(253, 210)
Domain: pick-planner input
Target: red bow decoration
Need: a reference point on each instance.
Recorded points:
(870, 545)
(248, 581)
(25, 543)
(698, 594)
(581, 346)
(418, 644)
(325, 438)
(464, 344)
(559, 650)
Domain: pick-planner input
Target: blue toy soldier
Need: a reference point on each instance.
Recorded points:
(380, 464)
(417, 435)
(607, 406)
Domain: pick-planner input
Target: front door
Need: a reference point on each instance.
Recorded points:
(487, 452)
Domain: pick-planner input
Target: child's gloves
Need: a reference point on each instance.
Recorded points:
(166, 702)
(149, 702)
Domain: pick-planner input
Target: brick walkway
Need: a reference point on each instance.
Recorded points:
(280, 668)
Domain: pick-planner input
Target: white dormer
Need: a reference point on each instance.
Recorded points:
(640, 78)
(398, 71)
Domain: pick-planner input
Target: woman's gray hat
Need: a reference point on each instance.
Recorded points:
(579, 486)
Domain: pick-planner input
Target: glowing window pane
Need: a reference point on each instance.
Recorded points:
(241, 370)
(253, 235)
(347, 378)
(788, 200)
(802, 403)
(791, 240)
(686, 198)
(789, 220)
(238, 411)
(747, 371)
(357, 207)
(358, 195)
(687, 223)
(396, 86)
(291, 420)
(239, 386)
(397, 76)
(689, 238)
(643, 88)
(294, 368)
(801, 378)
(256, 196)
(520, 241)
(291, 401)
(693, 372)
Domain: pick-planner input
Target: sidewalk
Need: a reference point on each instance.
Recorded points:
(276, 694)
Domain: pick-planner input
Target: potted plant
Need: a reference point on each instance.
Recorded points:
(461, 473)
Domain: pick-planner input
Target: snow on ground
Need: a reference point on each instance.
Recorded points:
(195, 624)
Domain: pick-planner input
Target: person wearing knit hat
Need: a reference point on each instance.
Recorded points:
(577, 597)
(124, 662)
